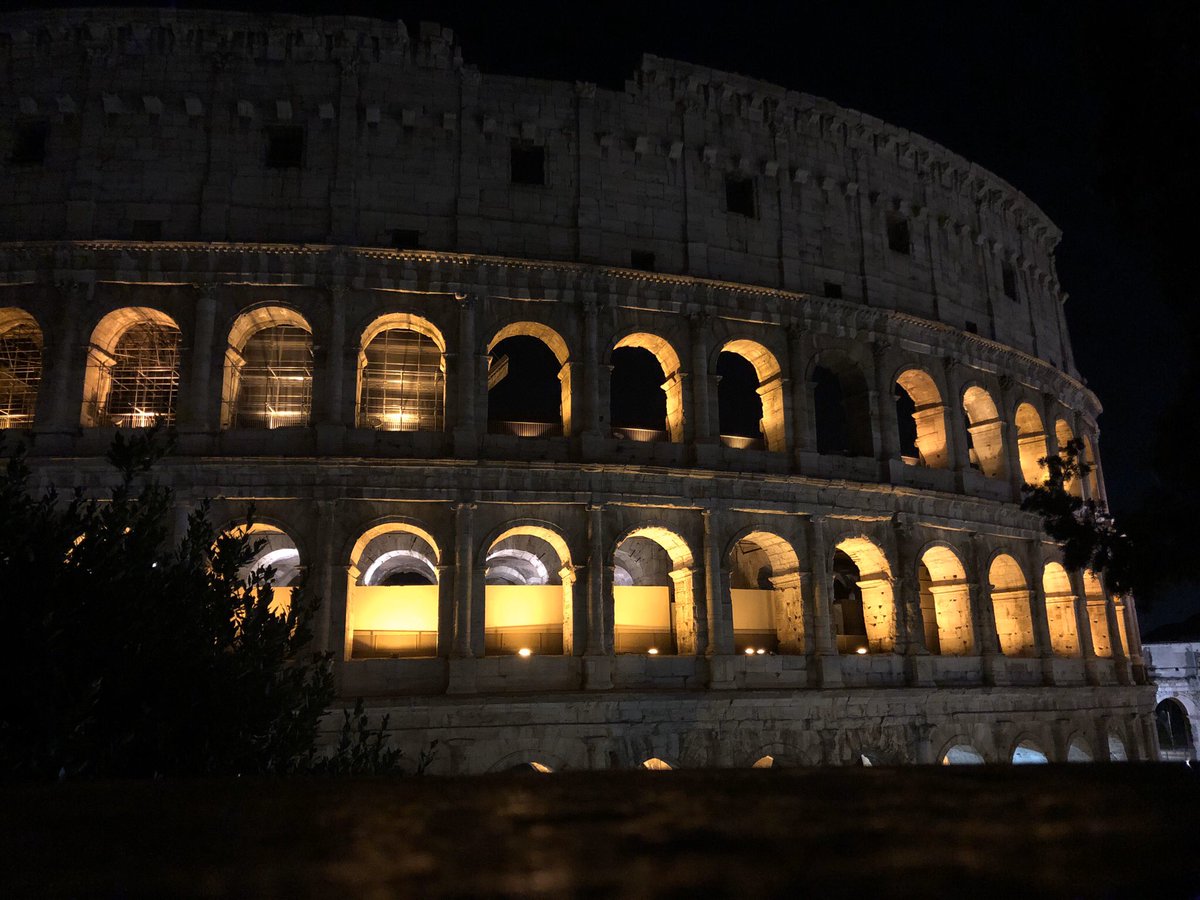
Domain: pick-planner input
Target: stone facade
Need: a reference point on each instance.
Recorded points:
(206, 176)
(1174, 668)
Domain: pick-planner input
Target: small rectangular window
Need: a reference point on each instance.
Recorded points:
(29, 145)
(285, 147)
(1009, 276)
(528, 163)
(899, 240)
(739, 196)
(641, 259)
(147, 230)
(972, 327)
(405, 239)
(833, 290)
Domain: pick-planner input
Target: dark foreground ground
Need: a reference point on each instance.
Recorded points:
(1069, 831)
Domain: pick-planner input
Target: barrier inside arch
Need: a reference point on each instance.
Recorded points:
(653, 599)
(392, 594)
(528, 594)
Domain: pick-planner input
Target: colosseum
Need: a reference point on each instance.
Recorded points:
(682, 425)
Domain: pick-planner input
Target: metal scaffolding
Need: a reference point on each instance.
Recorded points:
(20, 375)
(275, 380)
(143, 378)
(403, 383)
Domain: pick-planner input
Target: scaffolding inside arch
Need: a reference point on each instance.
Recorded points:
(403, 386)
(275, 380)
(20, 375)
(143, 378)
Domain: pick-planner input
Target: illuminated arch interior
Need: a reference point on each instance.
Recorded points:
(769, 392)
(864, 611)
(498, 368)
(1079, 750)
(928, 414)
(1027, 753)
(1174, 729)
(268, 370)
(20, 367)
(277, 550)
(653, 599)
(1097, 609)
(1010, 605)
(132, 374)
(654, 764)
(945, 602)
(1064, 435)
(962, 755)
(764, 586)
(985, 432)
(402, 375)
(1060, 610)
(1031, 442)
(392, 593)
(1116, 748)
(671, 385)
(529, 593)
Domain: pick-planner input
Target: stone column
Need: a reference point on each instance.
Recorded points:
(1037, 610)
(717, 600)
(1083, 628)
(60, 395)
(330, 628)
(910, 629)
(462, 666)
(823, 645)
(1116, 640)
(333, 421)
(1012, 445)
(956, 421)
(804, 434)
(343, 224)
(888, 442)
(983, 615)
(446, 609)
(198, 415)
(704, 432)
(597, 663)
(466, 428)
(591, 370)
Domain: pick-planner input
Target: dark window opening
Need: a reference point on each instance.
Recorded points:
(1174, 729)
(285, 147)
(641, 259)
(842, 409)
(528, 391)
(906, 410)
(898, 237)
(739, 196)
(849, 620)
(29, 146)
(638, 398)
(147, 230)
(833, 290)
(1009, 276)
(528, 164)
(972, 327)
(405, 239)
(738, 404)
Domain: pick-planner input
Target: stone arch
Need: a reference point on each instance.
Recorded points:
(268, 369)
(1031, 443)
(1063, 434)
(1027, 751)
(985, 432)
(1116, 748)
(1079, 749)
(945, 601)
(401, 375)
(656, 764)
(1060, 610)
(841, 405)
(960, 752)
(498, 370)
(1097, 610)
(871, 576)
(529, 591)
(1009, 592)
(132, 374)
(671, 386)
(527, 761)
(764, 587)
(277, 549)
(928, 415)
(21, 346)
(392, 592)
(769, 390)
(1176, 739)
(655, 610)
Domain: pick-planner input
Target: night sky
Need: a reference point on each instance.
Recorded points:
(1078, 105)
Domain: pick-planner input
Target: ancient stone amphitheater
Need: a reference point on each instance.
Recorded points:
(800, 363)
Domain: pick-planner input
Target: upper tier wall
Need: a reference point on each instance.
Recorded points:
(158, 116)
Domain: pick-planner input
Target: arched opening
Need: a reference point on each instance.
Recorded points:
(132, 375)
(275, 549)
(529, 768)
(646, 390)
(1097, 608)
(764, 762)
(1060, 610)
(1174, 730)
(764, 587)
(20, 367)
(392, 595)
(529, 594)
(1079, 750)
(1010, 606)
(1064, 435)
(863, 609)
(945, 603)
(653, 594)
(268, 370)
(1089, 459)
(985, 432)
(921, 418)
(750, 397)
(1116, 749)
(1031, 443)
(401, 375)
(1028, 753)
(963, 755)
(529, 382)
(842, 407)
(654, 764)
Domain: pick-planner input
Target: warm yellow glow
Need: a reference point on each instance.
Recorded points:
(411, 607)
(524, 651)
(653, 651)
(642, 606)
(749, 651)
(861, 651)
(654, 764)
(523, 605)
(752, 609)
(760, 651)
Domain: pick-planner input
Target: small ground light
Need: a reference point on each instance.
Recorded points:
(653, 651)
(861, 651)
(524, 651)
(749, 651)
(760, 651)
